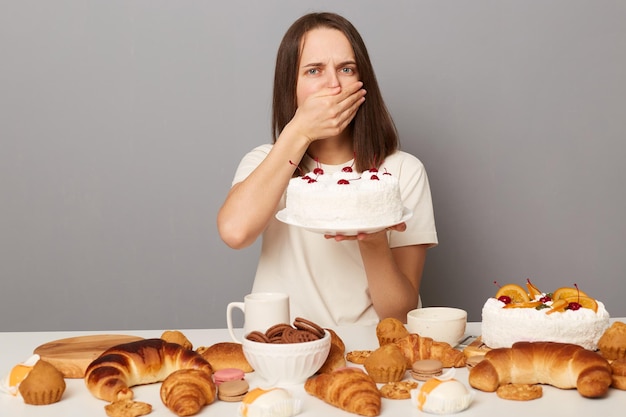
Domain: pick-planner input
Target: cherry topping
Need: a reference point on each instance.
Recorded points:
(373, 170)
(297, 167)
(545, 299)
(505, 299)
(318, 170)
(374, 177)
(343, 181)
(349, 168)
(574, 306)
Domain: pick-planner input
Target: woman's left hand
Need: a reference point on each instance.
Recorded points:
(401, 227)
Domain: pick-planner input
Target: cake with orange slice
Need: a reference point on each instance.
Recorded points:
(567, 315)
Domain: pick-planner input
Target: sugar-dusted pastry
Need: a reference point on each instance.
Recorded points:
(349, 389)
(43, 385)
(612, 343)
(389, 330)
(386, 364)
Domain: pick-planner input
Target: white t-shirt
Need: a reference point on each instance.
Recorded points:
(326, 279)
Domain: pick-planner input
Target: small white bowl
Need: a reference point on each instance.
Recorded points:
(442, 324)
(286, 363)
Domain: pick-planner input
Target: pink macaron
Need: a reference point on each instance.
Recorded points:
(228, 374)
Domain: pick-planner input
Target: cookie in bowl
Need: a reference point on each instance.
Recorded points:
(293, 358)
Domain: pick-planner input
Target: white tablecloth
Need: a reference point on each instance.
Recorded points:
(15, 347)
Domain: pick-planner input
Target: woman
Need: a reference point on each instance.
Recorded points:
(321, 115)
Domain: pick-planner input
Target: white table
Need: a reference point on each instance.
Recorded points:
(15, 347)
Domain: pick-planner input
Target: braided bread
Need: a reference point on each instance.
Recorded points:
(562, 365)
(110, 376)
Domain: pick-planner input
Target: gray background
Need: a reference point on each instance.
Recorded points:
(122, 122)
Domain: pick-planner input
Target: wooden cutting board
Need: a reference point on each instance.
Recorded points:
(71, 356)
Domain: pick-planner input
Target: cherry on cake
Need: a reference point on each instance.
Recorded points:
(568, 315)
(344, 199)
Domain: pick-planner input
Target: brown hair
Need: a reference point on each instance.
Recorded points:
(374, 134)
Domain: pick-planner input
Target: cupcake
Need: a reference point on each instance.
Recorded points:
(274, 402)
(442, 397)
(386, 364)
(389, 330)
(43, 385)
(612, 343)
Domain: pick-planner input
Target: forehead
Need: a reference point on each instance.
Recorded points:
(321, 44)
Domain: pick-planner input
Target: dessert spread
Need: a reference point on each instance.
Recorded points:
(567, 315)
(344, 199)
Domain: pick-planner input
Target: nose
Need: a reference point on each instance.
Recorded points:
(332, 80)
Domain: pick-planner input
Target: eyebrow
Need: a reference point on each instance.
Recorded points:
(321, 64)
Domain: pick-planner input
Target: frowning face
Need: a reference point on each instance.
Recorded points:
(327, 60)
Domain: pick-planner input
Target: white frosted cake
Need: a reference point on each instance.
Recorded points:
(501, 327)
(344, 200)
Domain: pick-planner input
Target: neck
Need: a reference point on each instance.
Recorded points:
(332, 151)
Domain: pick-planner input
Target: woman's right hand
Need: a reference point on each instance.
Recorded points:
(328, 112)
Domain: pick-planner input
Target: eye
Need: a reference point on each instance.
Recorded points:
(348, 70)
(313, 71)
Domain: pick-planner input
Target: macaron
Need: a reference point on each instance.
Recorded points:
(426, 369)
(227, 374)
(232, 391)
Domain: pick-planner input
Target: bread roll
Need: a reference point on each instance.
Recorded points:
(225, 355)
(110, 376)
(562, 365)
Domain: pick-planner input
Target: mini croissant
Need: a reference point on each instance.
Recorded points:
(186, 391)
(350, 389)
(415, 347)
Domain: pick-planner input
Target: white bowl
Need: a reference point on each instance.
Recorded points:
(442, 324)
(286, 363)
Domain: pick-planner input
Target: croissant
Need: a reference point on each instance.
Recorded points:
(415, 347)
(562, 365)
(110, 376)
(350, 389)
(186, 391)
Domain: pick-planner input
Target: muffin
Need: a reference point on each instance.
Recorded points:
(389, 330)
(43, 385)
(619, 374)
(386, 364)
(612, 343)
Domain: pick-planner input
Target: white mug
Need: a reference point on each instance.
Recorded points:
(261, 311)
